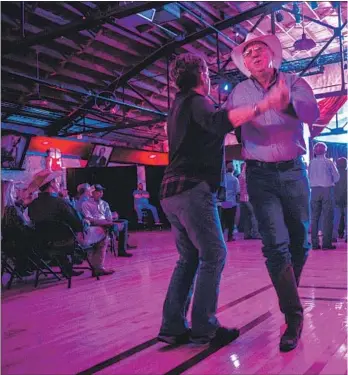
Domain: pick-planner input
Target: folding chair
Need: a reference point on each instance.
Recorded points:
(57, 241)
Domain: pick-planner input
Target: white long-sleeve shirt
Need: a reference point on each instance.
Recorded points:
(322, 172)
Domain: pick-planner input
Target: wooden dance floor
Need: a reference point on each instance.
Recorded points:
(109, 326)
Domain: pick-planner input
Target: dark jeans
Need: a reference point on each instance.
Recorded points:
(228, 216)
(322, 204)
(250, 227)
(121, 234)
(195, 223)
(280, 199)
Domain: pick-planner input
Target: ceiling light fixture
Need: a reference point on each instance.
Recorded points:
(304, 44)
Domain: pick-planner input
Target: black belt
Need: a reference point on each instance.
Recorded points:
(275, 166)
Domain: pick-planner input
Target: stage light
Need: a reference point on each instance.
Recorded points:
(226, 87)
(152, 156)
(314, 4)
(279, 17)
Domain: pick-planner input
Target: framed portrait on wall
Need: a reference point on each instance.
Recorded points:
(14, 146)
(100, 156)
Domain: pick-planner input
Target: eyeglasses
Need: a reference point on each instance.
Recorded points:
(257, 49)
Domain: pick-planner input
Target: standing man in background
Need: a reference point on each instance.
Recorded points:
(249, 225)
(323, 175)
(229, 205)
(341, 197)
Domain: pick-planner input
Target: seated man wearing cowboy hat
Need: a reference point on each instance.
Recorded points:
(49, 207)
(273, 145)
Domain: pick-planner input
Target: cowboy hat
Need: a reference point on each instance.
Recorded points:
(271, 41)
(42, 178)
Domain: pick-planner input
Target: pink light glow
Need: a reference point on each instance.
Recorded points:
(152, 156)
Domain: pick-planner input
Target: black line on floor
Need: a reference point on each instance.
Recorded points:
(242, 299)
(147, 344)
(119, 357)
(316, 368)
(323, 287)
(209, 351)
(325, 299)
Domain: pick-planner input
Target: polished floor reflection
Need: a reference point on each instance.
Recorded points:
(109, 326)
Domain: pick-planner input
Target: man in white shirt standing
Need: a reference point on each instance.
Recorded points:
(323, 175)
(229, 206)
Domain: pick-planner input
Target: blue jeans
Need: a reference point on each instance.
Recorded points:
(250, 225)
(281, 204)
(338, 211)
(322, 206)
(121, 234)
(199, 239)
(147, 206)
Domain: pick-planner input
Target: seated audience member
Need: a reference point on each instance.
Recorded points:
(84, 193)
(16, 227)
(340, 197)
(229, 206)
(141, 201)
(250, 226)
(323, 175)
(64, 194)
(93, 234)
(49, 207)
(13, 209)
(98, 213)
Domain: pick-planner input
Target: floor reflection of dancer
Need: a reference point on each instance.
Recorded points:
(273, 145)
(196, 135)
